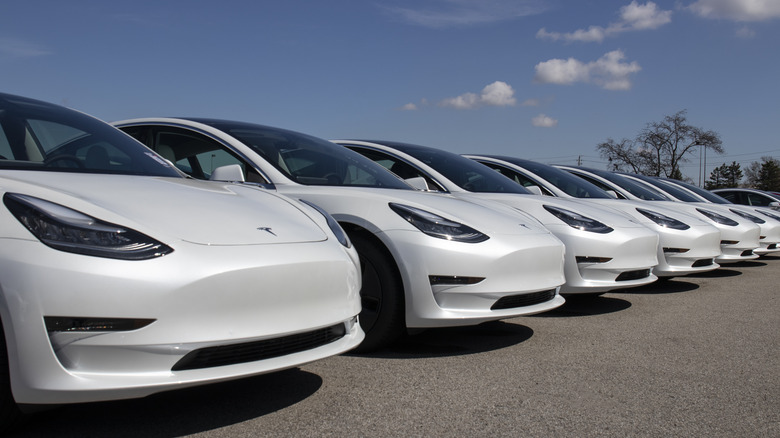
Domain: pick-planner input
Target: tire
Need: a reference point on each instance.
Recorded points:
(10, 415)
(382, 295)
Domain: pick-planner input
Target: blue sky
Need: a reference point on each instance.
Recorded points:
(543, 80)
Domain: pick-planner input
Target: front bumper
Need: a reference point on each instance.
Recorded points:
(198, 297)
(508, 266)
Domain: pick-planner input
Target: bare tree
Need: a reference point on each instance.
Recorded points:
(660, 148)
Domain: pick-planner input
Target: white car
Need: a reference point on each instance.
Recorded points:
(605, 250)
(754, 197)
(738, 237)
(680, 191)
(687, 244)
(426, 261)
(120, 278)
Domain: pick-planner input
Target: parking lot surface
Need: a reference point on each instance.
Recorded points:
(694, 356)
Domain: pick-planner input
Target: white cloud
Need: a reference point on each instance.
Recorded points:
(609, 72)
(737, 10)
(544, 121)
(15, 48)
(646, 16)
(634, 16)
(496, 94)
(561, 71)
(409, 107)
(448, 13)
(464, 101)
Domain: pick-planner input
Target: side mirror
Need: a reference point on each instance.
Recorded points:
(418, 183)
(612, 193)
(231, 172)
(774, 205)
(534, 189)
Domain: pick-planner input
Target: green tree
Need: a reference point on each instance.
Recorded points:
(764, 175)
(659, 149)
(725, 176)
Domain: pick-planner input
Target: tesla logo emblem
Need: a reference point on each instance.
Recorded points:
(266, 229)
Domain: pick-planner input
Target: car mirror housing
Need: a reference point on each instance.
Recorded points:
(536, 190)
(418, 183)
(231, 173)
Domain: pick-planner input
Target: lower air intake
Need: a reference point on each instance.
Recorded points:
(252, 351)
(702, 262)
(633, 275)
(522, 300)
(747, 253)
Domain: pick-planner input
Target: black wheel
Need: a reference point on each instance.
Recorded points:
(382, 296)
(10, 415)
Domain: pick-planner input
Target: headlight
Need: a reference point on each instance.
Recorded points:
(437, 226)
(718, 218)
(334, 226)
(663, 220)
(578, 221)
(71, 231)
(768, 214)
(747, 216)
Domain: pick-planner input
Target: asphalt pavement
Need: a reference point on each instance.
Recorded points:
(694, 356)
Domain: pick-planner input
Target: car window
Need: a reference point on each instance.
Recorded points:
(309, 160)
(5, 147)
(397, 166)
(756, 199)
(517, 177)
(600, 184)
(49, 138)
(461, 171)
(730, 196)
(193, 153)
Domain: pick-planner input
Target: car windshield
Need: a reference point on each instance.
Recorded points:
(566, 182)
(309, 160)
(465, 173)
(39, 136)
(671, 189)
(706, 194)
(639, 190)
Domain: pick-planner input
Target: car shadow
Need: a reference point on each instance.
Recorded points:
(748, 264)
(586, 306)
(670, 286)
(455, 341)
(176, 413)
(719, 273)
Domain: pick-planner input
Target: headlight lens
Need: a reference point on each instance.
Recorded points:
(334, 226)
(663, 220)
(718, 218)
(748, 216)
(578, 221)
(437, 226)
(768, 214)
(68, 230)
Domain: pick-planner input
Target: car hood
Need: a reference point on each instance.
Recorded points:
(534, 205)
(202, 212)
(368, 207)
(629, 206)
